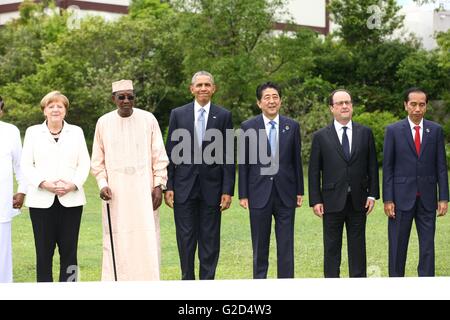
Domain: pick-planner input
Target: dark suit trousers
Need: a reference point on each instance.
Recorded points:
(333, 227)
(60, 226)
(399, 232)
(198, 224)
(261, 225)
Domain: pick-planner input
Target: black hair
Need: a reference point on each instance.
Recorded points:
(412, 90)
(264, 86)
(331, 97)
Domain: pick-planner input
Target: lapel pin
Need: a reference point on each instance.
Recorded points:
(427, 130)
(286, 128)
(214, 117)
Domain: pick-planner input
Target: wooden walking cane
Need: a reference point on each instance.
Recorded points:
(112, 241)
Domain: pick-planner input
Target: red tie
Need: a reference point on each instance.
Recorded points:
(417, 139)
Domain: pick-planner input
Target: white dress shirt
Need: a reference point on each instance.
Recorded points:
(413, 131)
(10, 154)
(197, 108)
(267, 125)
(44, 159)
(340, 132)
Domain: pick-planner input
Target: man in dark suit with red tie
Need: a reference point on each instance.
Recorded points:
(414, 167)
(276, 192)
(343, 185)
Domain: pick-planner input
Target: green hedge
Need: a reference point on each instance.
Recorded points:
(447, 149)
(377, 121)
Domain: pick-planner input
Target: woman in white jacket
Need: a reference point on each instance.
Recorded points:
(55, 162)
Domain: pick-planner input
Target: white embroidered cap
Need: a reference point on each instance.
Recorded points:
(122, 85)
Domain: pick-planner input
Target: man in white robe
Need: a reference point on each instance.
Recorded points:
(129, 161)
(10, 153)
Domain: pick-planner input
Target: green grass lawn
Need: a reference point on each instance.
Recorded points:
(236, 252)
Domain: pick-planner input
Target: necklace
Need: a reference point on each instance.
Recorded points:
(55, 134)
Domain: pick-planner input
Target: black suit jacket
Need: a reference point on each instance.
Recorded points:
(405, 173)
(215, 179)
(331, 175)
(288, 180)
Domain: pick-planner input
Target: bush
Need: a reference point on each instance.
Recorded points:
(377, 121)
(447, 151)
(318, 117)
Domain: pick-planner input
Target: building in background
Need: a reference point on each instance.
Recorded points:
(109, 9)
(425, 21)
(307, 13)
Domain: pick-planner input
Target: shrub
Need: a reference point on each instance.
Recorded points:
(377, 121)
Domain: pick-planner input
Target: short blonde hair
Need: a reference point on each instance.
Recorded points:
(52, 97)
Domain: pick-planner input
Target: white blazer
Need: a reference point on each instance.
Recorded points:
(44, 159)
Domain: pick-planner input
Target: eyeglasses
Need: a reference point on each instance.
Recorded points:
(123, 97)
(341, 103)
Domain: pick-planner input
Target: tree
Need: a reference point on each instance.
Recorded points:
(22, 40)
(161, 46)
(422, 2)
(443, 40)
(364, 22)
(82, 63)
(234, 41)
(443, 61)
(421, 69)
(148, 9)
(369, 72)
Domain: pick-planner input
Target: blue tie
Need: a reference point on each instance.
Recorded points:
(273, 138)
(201, 126)
(345, 143)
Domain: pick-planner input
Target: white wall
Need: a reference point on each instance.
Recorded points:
(5, 17)
(107, 15)
(9, 1)
(424, 22)
(308, 12)
(115, 2)
(441, 22)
